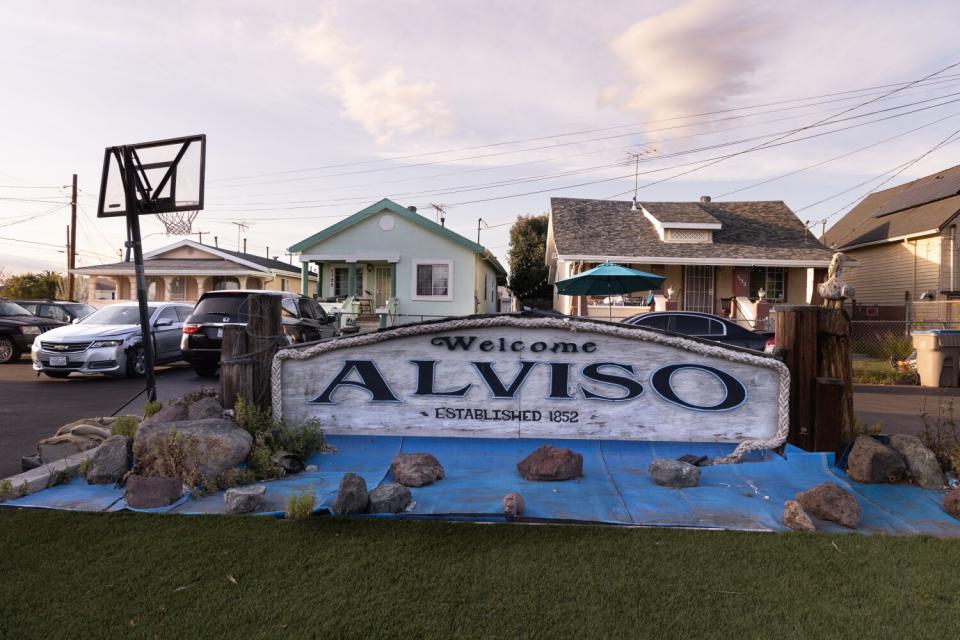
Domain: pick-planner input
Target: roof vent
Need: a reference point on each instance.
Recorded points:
(704, 199)
(634, 206)
(412, 208)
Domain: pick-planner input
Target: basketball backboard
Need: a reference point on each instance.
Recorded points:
(169, 176)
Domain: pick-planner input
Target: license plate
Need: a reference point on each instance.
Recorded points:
(220, 332)
(58, 361)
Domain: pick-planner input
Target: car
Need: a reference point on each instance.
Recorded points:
(706, 326)
(303, 321)
(109, 341)
(62, 310)
(18, 329)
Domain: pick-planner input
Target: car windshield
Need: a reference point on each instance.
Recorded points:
(117, 315)
(13, 309)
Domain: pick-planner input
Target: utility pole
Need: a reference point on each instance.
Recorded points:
(268, 253)
(72, 248)
(241, 227)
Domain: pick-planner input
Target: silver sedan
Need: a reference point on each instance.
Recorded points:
(109, 341)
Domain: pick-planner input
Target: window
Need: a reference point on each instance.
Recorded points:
(288, 308)
(306, 311)
(178, 288)
(341, 281)
(170, 314)
(654, 322)
(283, 284)
(691, 325)
(183, 313)
(226, 283)
(53, 311)
(431, 280)
(770, 279)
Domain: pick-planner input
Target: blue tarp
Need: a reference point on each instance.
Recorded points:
(615, 487)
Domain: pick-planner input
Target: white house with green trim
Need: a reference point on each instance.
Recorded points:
(392, 261)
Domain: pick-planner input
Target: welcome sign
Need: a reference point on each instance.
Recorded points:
(510, 376)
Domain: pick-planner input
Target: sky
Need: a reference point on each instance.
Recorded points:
(314, 110)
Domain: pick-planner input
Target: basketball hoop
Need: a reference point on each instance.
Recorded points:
(178, 223)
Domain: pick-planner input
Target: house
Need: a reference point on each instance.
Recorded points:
(186, 269)
(728, 258)
(390, 260)
(904, 240)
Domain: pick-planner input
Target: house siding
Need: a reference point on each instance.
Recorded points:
(883, 274)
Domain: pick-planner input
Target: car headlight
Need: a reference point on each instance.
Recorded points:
(106, 343)
(30, 331)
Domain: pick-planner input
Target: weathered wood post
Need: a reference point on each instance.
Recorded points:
(264, 338)
(816, 346)
(236, 370)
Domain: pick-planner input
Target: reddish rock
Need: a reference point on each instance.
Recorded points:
(796, 518)
(145, 492)
(551, 463)
(872, 461)
(829, 501)
(416, 469)
(951, 503)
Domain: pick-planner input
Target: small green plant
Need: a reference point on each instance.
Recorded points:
(6, 490)
(942, 436)
(23, 489)
(151, 408)
(59, 476)
(300, 440)
(84, 465)
(861, 429)
(124, 426)
(271, 436)
(252, 418)
(300, 505)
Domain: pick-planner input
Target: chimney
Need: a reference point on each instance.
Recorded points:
(412, 208)
(704, 199)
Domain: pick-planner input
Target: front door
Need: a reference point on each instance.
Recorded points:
(381, 286)
(698, 288)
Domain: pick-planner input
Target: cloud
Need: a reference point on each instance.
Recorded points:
(384, 102)
(693, 58)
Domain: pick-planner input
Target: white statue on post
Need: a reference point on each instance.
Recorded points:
(834, 290)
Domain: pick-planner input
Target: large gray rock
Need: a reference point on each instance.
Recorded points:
(415, 469)
(111, 461)
(389, 498)
(548, 463)
(205, 408)
(921, 462)
(151, 492)
(872, 461)
(206, 448)
(513, 504)
(796, 518)
(674, 473)
(352, 496)
(829, 501)
(170, 413)
(951, 503)
(244, 499)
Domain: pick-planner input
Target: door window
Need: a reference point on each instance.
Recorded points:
(170, 314)
(655, 322)
(692, 325)
(288, 308)
(53, 311)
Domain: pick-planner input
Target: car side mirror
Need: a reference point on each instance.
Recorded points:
(163, 322)
(76, 321)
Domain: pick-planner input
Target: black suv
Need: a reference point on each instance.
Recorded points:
(18, 328)
(62, 310)
(303, 321)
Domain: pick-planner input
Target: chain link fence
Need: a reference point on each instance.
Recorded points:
(889, 340)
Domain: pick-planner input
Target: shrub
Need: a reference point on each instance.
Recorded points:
(880, 372)
(942, 436)
(84, 465)
(6, 489)
(300, 505)
(151, 408)
(300, 440)
(252, 418)
(861, 429)
(271, 436)
(124, 426)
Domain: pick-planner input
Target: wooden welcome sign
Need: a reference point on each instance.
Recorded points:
(514, 376)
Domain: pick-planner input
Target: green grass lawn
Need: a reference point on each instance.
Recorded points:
(880, 372)
(66, 575)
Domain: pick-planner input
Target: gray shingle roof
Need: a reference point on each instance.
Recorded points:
(679, 212)
(751, 231)
(920, 205)
(270, 263)
(173, 264)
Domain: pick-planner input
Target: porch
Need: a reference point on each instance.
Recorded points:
(109, 289)
(362, 291)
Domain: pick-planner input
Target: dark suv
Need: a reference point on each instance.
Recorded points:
(18, 328)
(62, 310)
(303, 321)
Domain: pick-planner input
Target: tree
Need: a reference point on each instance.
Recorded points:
(528, 267)
(41, 286)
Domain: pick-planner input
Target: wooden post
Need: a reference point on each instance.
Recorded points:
(236, 369)
(828, 428)
(264, 337)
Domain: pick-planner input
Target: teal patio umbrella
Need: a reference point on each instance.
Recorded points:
(609, 279)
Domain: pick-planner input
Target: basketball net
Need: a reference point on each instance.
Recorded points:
(178, 223)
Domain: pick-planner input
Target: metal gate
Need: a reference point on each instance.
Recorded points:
(698, 288)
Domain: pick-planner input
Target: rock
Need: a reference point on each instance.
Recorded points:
(290, 462)
(207, 447)
(170, 413)
(145, 492)
(389, 498)
(673, 473)
(244, 499)
(352, 496)
(872, 461)
(951, 503)
(829, 501)
(796, 518)
(921, 462)
(513, 504)
(551, 463)
(111, 461)
(416, 469)
(310, 468)
(205, 408)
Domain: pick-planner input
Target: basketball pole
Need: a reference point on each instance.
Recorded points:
(133, 225)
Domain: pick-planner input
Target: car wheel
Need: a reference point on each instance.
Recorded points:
(136, 363)
(8, 352)
(57, 374)
(206, 369)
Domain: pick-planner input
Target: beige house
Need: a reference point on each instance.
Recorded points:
(734, 259)
(904, 241)
(186, 269)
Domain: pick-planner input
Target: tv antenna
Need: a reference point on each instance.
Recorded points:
(441, 213)
(241, 227)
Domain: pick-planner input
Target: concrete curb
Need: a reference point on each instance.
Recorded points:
(39, 478)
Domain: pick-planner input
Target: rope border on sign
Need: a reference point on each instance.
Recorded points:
(566, 324)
